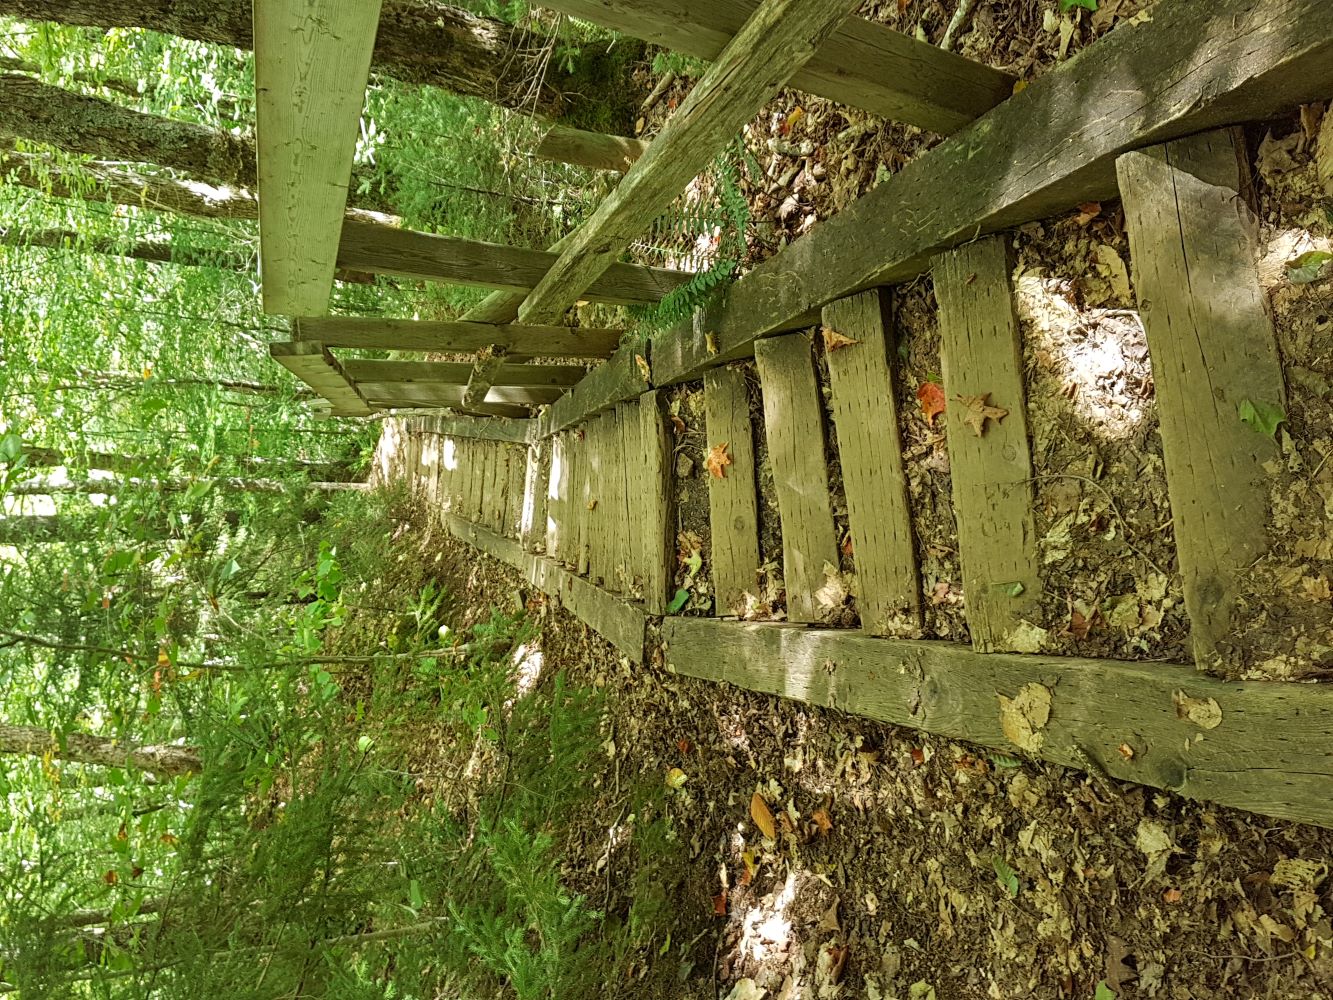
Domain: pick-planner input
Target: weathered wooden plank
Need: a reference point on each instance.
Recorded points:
(515, 430)
(618, 622)
(863, 65)
(457, 373)
(518, 475)
(1212, 346)
(1193, 67)
(312, 61)
(316, 367)
(794, 426)
(623, 377)
(865, 413)
(779, 37)
(733, 507)
(1270, 754)
(594, 150)
(501, 401)
(657, 515)
(627, 454)
(557, 500)
(406, 254)
(582, 498)
(532, 522)
(457, 336)
(982, 356)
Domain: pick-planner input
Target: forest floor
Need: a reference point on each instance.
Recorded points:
(911, 867)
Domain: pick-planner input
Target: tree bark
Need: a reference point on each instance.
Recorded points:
(81, 748)
(93, 127)
(156, 253)
(419, 41)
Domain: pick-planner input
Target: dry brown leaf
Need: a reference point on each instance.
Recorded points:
(1126, 751)
(931, 398)
(1203, 712)
(717, 460)
(592, 504)
(644, 370)
(833, 340)
(763, 817)
(678, 424)
(1023, 716)
(1172, 896)
(822, 822)
(1088, 211)
(710, 341)
(979, 411)
(720, 904)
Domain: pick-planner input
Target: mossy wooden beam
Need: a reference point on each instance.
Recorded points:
(593, 150)
(485, 429)
(403, 253)
(456, 336)
(456, 373)
(312, 61)
(863, 65)
(1191, 67)
(1260, 746)
(316, 367)
(779, 37)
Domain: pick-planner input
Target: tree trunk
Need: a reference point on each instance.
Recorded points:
(93, 127)
(80, 748)
(157, 253)
(419, 41)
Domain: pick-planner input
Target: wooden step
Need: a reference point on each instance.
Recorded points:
(982, 359)
(732, 503)
(794, 425)
(1212, 347)
(655, 526)
(865, 414)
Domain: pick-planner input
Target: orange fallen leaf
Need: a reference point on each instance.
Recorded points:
(822, 821)
(1087, 211)
(1079, 625)
(717, 460)
(979, 411)
(677, 423)
(683, 745)
(763, 817)
(720, 904)
(1172, 896)
(931, 398)
(110, 877)
(1126, 751)
(918, 756)
(847, 546)
(833, 340)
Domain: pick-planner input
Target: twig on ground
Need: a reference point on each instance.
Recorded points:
(957, 23)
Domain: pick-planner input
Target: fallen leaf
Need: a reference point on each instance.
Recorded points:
(638, 126)
(678, 424)
(979, 411)
(1006, 876)
(1087, 211)
(717, 460)
(1298, 873)
(1172, 896)
(1126, 751)
(763, 817)
(940, 593)
(110, 877)
(745, 989)
(794, 116)
(931, 398)
(1203, 712)
(1116, 272)
(592, 504)
(676, 778)
(751, 866)
(720, 904)
(678, 601)
(1311, 116)
(1152, 839)
(833, 593)
(1103, 992)
(833, 340)
(1079, 625)
(1307, 268)
(918, 756)
(829, 921)
(710, 342)
(822, 821)
(683, 745)
(644, 370)
(1023, 716)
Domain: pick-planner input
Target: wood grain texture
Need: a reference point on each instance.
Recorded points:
(794, 427)
(981, 355)
(456, 336)
(582, 495)
(518, 467)
(312, 61)
(1193, 67)
(313, 364)
(657, 518)
(862, 65)
(1212, 346)
(618, 622)
(501, 402)
(557, 500)
(1270, 754)
(593, 150)
(532, 521)
(628, 454)
(779, 37)
(457, 373)
(406, 254)
(518, 431)
(865, 415)
(733, 507)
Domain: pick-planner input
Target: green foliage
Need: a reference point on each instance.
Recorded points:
(1307, 268)
(1005, 876)
(1068, 5)
(1265, 418)
(675, 62)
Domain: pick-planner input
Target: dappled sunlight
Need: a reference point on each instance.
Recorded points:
(766, 926)
(527, 660)
(449, 454)
(1099, 356)
(387, 452)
